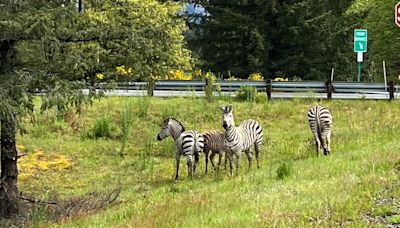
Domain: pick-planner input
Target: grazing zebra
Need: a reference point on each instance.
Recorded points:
(214, 141)
(238, 139)
(320, 120)
(188, 143)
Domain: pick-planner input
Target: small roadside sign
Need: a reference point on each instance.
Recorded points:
(360, 40)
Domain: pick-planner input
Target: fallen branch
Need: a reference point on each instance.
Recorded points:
(21, 155)
(36, 201)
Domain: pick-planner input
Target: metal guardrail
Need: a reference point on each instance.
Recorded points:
(274, 89)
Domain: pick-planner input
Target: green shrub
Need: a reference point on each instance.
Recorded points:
(247, 93)
(102, 128)
(283, 171)
(261, 98)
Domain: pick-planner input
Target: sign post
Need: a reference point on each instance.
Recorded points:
(360, 46)
(397, 14)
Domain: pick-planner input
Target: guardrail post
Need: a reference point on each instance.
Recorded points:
(329, 89)
(150, 87)
(391, 90)
(269, 88)
(207, 83)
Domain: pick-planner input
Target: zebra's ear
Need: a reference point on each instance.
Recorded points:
(222, 108)
(229, 108)
(166, 120)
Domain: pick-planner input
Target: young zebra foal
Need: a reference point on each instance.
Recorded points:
(214, 141)
(188, 143)
(238, 139)
(320, 120)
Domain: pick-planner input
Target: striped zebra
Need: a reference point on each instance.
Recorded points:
(188, 143)
(238, 139)
(320, 120)
(214, 141)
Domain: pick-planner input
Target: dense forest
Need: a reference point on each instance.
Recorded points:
(302, 39)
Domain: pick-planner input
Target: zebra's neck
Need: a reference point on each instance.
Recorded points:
(176, 129)
(230, 133)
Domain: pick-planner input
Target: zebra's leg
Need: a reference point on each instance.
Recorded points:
(220, 159)
(257, 149)
(196, 161)
(206, 151)
(324, 145)
(230, 158)
(225, 159)
(238, 155)
(189, 163)
(318, 144)
(212, 155)
(249, 157)
(328, 143)
(177, 157)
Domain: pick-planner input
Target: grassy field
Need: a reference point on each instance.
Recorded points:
(341, 189)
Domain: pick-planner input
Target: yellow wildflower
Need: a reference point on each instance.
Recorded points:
(255, 77)
(99, 76)
(123, 70)
(178, 75)
(281, 79)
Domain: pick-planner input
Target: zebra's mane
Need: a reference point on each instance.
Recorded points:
(172, 118)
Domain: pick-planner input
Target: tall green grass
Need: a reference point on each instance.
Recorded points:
(126, 124)
(293, 188)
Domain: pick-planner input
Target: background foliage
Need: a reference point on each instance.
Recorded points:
(295, 39)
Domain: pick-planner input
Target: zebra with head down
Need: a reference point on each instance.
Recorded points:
(320, 121)
(187, 143)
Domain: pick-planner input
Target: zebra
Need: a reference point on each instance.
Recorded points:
(238, 139)
(320, 121)
(214, 141)
(188, 143)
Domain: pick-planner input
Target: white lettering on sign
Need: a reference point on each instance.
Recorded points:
(361, 46)
(398, 10)
(360, 34)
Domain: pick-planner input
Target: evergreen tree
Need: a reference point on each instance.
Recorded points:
(383, 38)
(230, 40)
(291, 37)
(50, 47)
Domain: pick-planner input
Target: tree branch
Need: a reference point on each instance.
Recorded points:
(33, 200)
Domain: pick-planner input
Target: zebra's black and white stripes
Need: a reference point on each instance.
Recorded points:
(188, 143)
(238, 139)
(320, 120)
(214, 141)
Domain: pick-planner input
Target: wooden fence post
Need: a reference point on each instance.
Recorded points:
(269, 88)
(207, 83)
(329, 89)
(150, 87)
(391, 90)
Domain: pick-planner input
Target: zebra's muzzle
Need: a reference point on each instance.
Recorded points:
(225, 125)
(159, 137)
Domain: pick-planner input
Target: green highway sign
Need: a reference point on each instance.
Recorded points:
(360, 40)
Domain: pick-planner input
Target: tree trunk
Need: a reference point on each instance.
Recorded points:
(9, 199)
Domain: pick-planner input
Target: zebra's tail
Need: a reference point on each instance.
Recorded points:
(319, 129)
(198, 143)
